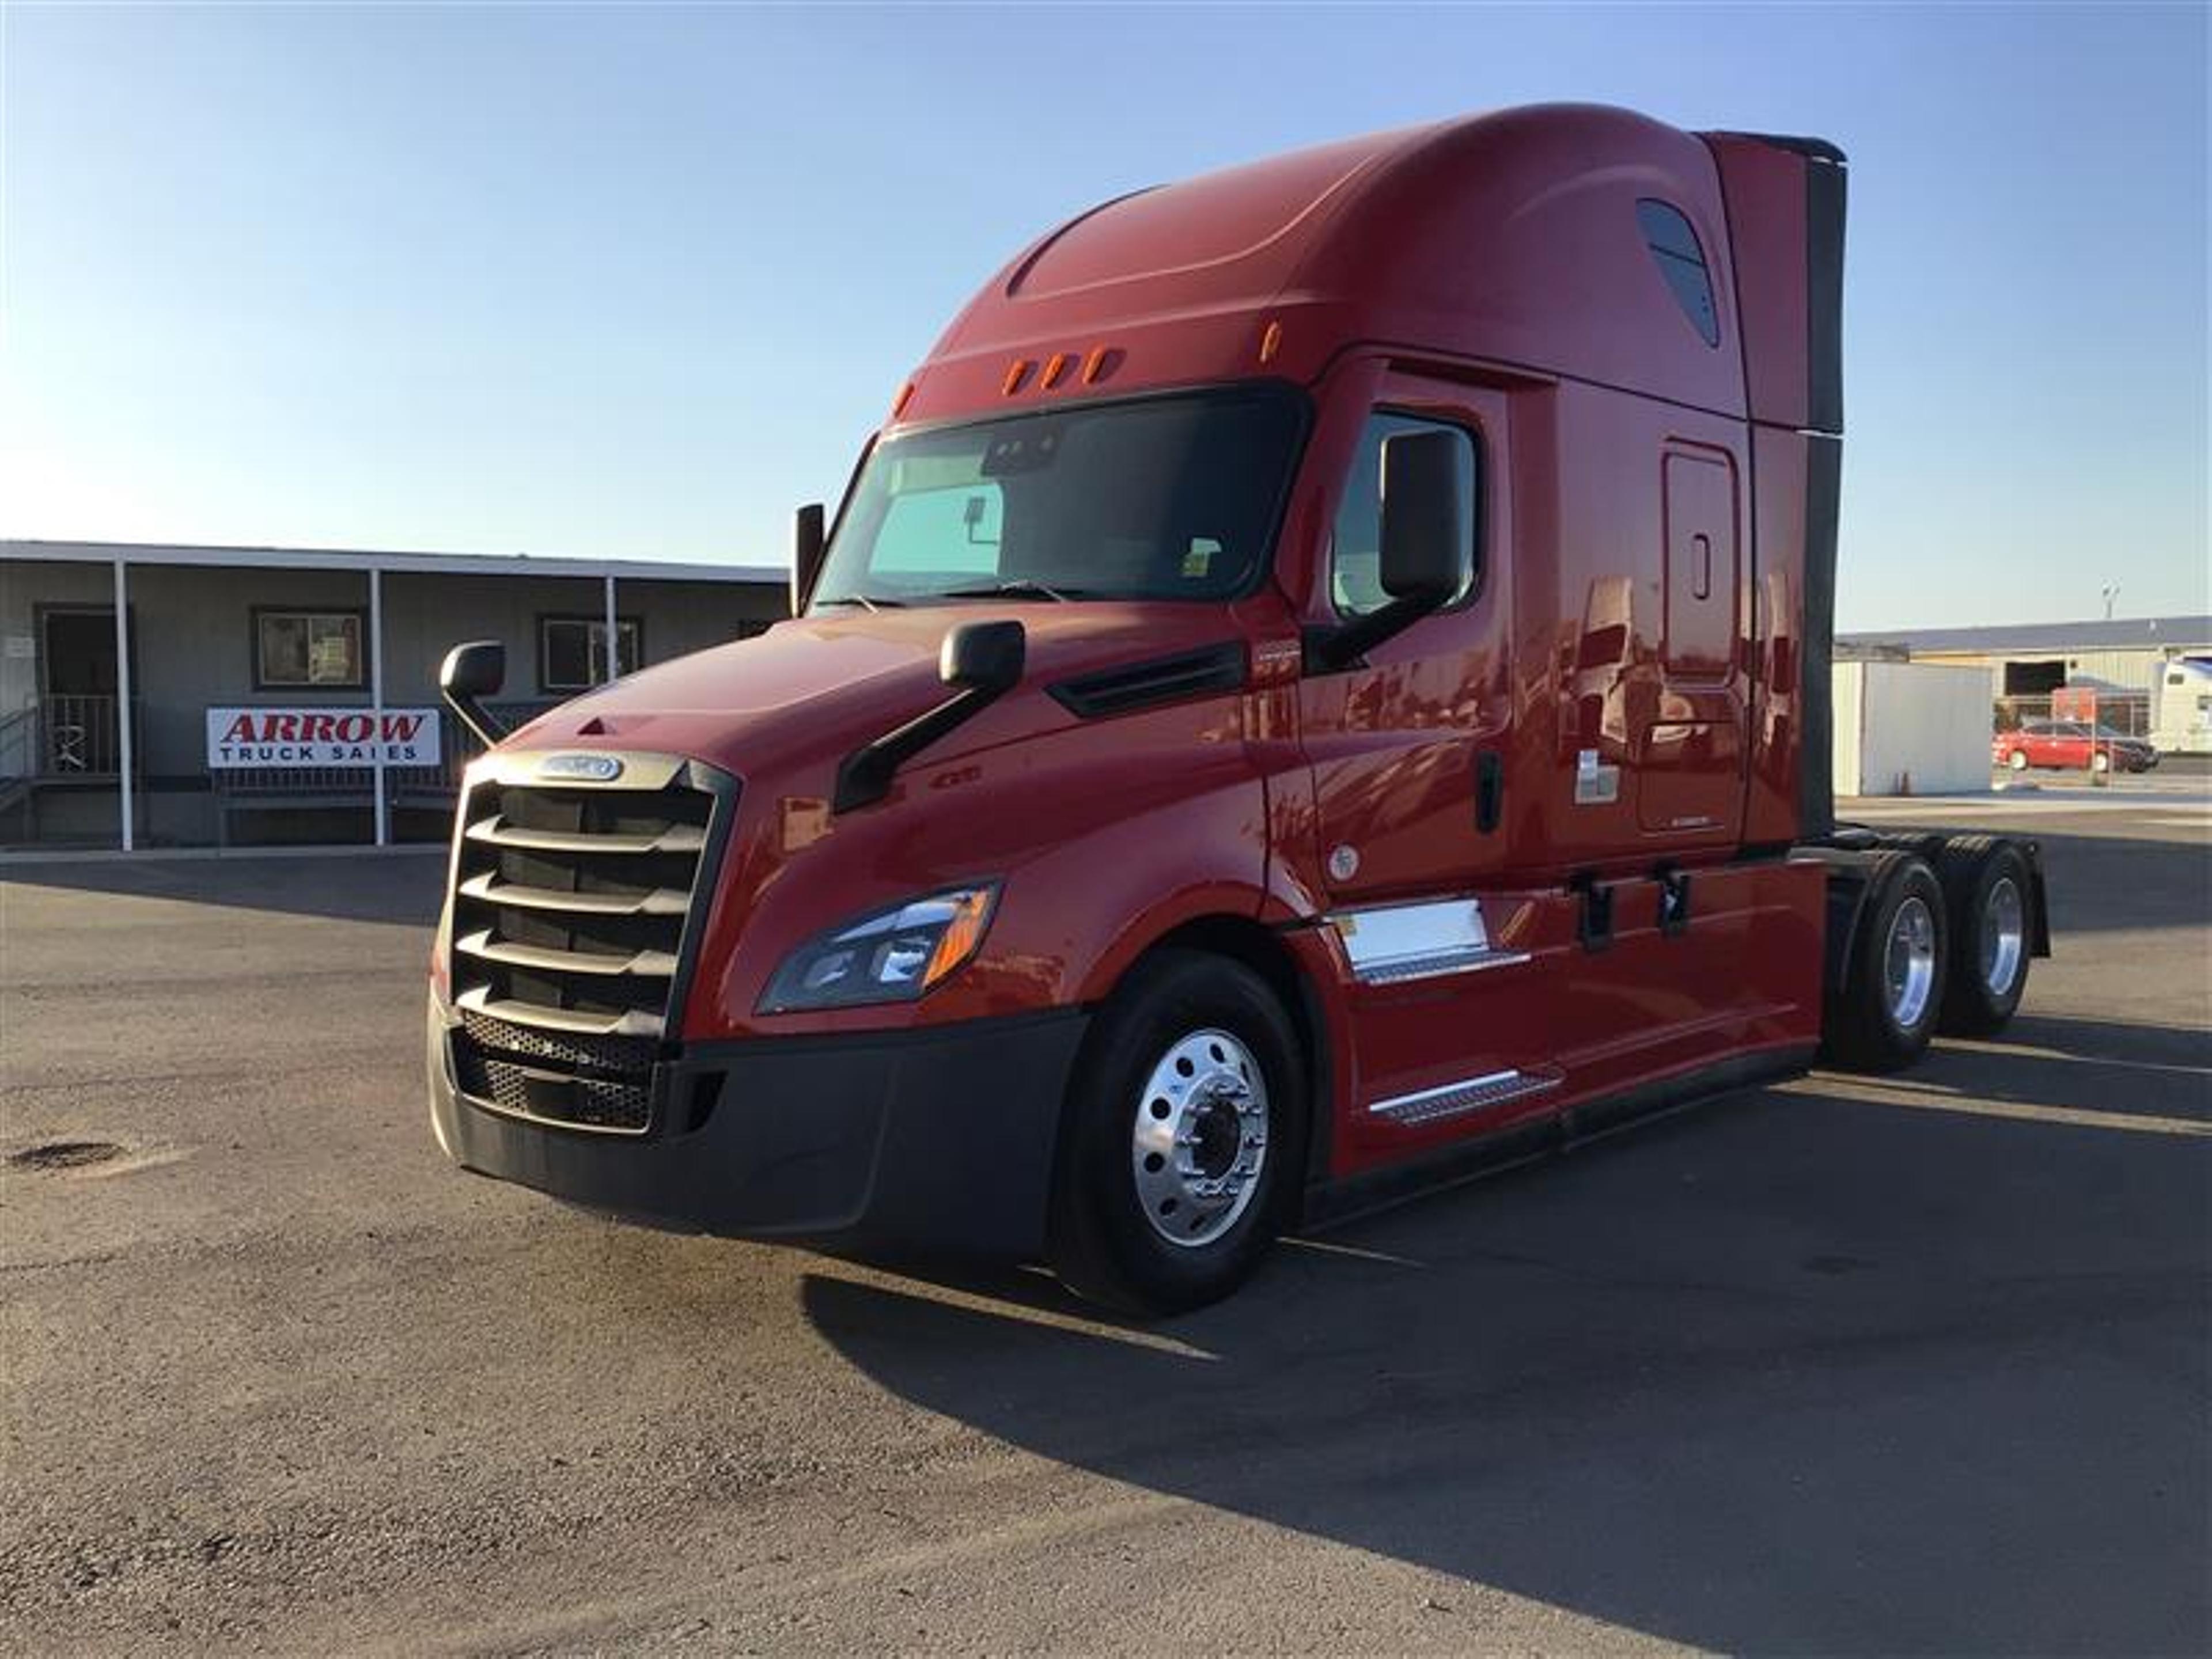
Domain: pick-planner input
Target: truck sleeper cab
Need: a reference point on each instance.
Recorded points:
(1320, 682)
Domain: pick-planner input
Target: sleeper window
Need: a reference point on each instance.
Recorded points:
(1681, 262)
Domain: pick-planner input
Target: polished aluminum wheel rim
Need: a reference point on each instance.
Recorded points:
(1909, 962)
(2004, 935)
(1200, 1140)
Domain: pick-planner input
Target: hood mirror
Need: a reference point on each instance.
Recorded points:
(983, 656)
(470, 673)
(982, 661)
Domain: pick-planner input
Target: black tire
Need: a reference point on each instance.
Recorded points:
(1102, 1245)
(1867, 1029)
(1975, 871)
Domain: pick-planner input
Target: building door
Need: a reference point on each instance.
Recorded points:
(77, 689)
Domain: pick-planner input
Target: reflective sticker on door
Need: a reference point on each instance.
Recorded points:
(1595, 784)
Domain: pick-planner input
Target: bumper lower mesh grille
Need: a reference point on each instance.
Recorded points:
(619, 1103)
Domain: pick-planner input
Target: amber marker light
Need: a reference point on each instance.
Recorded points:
(1056, 366)
(971, 914)
(1016, 372)
(904, 397)
(1271, 342)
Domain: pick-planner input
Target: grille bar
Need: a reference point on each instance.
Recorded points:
(478, 999)
(495, 830)
(650, 964)
(660, 902)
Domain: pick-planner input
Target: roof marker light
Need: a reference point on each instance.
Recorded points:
(904, 397)
(1056, 366)
(1271, 341)
(1095, 365)
(1016, 372)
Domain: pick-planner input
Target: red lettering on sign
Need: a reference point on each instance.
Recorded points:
(316, 728)
(401, 728)
(241, 730)
(355, 728)
(281, 729)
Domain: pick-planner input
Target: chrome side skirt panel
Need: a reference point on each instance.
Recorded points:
(1392, 943)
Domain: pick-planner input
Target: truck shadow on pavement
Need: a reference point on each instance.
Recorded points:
(1799, 1369)
(403, 887)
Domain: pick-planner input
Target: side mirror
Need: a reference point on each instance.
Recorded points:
(1426, 551)
(808, 542)
(983, 656)
(1427, 554)
(982, 661)
(470, 673)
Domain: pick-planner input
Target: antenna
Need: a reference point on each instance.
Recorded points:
(2111, 593)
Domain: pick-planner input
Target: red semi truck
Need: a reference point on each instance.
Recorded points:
(1320, 683)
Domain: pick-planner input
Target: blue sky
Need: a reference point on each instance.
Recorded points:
(631, 281)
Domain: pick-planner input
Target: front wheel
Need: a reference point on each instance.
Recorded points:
(1180, 1141)
(2017, 759)
(2100, 762)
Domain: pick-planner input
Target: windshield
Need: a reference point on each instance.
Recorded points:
(1166, 498)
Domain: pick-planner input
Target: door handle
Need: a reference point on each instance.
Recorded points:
(1489, 790)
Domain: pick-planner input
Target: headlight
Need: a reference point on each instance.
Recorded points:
(889, 956)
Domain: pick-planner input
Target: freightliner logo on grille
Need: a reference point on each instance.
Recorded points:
(591, 768)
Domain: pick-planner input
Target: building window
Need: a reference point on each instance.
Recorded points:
(1356, 545)
(572, 651)
(1675, 245)
(318, 649)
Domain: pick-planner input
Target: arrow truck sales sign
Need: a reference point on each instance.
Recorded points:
(321, 736)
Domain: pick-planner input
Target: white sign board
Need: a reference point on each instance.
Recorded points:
(321, 736)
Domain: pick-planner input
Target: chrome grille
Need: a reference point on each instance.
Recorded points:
(571, 907)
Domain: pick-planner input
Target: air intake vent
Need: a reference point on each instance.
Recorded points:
(1163, 680)
(573, 911)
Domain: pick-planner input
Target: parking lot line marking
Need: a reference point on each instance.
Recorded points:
(1325, 1247)
(1021, 1313)
(2031, 1051)
(2080, 1117)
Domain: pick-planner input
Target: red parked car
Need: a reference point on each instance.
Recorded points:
(2073, 744)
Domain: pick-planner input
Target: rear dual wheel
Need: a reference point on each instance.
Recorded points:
(1883, 1013)
(1178, 1147)
(1991, 895)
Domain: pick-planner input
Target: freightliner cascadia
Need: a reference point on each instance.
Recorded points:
(1321, 682)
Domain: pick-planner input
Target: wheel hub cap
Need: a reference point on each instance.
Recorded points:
(2003, 935)
(1200, 1140)
(1909, 962)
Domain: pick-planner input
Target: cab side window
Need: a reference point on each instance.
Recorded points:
(1356, 543)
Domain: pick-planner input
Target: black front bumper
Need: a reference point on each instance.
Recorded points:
(938, 1141)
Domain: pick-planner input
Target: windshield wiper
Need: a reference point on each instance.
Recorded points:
(868, 601)
(1022, 588)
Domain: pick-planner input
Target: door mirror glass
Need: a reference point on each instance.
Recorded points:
(1428, 544)
(807, 539)
(1433, 505)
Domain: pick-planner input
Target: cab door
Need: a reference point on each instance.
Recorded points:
(1411, 797)
(1407, 745)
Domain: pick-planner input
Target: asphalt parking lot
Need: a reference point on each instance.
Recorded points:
(1914, 1366)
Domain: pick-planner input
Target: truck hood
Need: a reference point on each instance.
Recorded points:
(802, 695)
